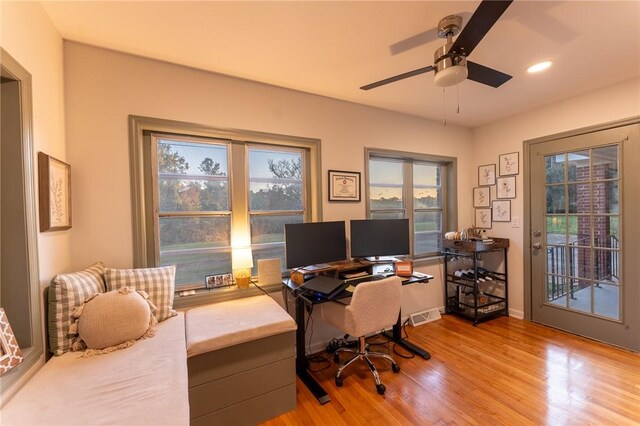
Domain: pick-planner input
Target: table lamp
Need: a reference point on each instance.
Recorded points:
(241, 263)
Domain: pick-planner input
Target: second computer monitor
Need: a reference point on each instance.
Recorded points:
(380, 237)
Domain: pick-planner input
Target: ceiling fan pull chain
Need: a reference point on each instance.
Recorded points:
(458, 98)
(444, 106)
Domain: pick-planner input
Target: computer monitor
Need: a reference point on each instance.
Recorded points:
(380, 237)
(314, 243)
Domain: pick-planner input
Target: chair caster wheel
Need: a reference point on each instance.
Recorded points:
(395, 368)
(336, 358)
(381, 389)
(339, 382)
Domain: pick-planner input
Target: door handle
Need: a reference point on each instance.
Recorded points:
(536, 246)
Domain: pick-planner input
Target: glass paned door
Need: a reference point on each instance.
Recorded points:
(582, 247)
(584, 278)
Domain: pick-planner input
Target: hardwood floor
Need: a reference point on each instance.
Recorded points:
(502, 372)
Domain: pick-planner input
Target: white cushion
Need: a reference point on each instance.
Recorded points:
(224, 324)
(159, 283)
(143, 385)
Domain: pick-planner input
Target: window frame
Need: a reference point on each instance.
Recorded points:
(448, 183)
(145, 246)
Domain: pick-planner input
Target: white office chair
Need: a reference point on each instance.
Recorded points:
(374, 306)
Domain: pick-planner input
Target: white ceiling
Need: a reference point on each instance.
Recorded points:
(333, 48)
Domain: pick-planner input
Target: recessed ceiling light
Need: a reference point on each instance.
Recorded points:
(540, 66)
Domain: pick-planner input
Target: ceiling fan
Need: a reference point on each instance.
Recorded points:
(450, 61)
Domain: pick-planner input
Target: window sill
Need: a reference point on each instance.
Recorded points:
(205, 297)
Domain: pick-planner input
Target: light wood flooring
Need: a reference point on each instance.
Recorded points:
(502, 372)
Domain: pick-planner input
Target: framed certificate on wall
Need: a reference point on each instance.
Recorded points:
(344, 186)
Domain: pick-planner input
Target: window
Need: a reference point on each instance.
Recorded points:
(276, 191)
(201, 191)
(192, 208)
(414, 186)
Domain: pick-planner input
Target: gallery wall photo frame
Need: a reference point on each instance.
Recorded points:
(483, 218)
(487, 175)
(10, 354)
(509, 164)
(506, 187)
(501, 211)
(344, 186)
(54, 181)
(482, 196)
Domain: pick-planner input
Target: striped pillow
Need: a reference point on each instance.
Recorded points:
(66, 292)
(159, 283)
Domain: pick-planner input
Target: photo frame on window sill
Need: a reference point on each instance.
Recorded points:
(509, 164)
(501, 211)
(54, 181)
(344, 186)
(482, 196)
(487, 175)
(506, 187)
(10, 354)
(483, 218)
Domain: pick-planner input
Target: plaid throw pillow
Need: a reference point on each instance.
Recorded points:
(66, 292)
(159, 283)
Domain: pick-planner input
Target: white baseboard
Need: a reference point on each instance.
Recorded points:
(516, 313)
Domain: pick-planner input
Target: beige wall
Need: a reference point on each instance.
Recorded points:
(103, 87)
(602, 106)
(30, 38)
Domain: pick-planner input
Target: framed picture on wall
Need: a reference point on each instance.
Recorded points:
(509, 164)
(10, 354)
(487, 175)
(54, 181)
(502, 211)
(483, 218)
(482, 196)
(506, 187)
(344, 186)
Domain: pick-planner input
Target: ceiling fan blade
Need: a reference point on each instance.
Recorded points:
(397, 78)
(486, 75)
(414, 41)
(485, 16)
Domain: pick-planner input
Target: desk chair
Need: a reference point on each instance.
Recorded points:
(374, 306)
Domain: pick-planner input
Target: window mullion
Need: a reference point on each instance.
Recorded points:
(239, 194)
(408, 197)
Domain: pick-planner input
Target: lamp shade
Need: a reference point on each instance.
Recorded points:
(241, 258)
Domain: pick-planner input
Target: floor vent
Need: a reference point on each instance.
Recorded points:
(424, 317)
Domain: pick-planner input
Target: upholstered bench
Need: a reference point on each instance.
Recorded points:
(145, 384)
(240, 361)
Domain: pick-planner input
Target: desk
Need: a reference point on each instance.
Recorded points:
(301, 300)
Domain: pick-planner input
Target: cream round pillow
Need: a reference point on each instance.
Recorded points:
(113, 320)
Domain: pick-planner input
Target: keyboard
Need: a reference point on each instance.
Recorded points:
(355, 281)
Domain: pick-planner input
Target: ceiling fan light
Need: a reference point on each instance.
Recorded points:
(540, 66)
(451, 76)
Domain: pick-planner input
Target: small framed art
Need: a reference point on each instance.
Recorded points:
(509, 164)
(482, 196)
(54, 181)
(344, 186)
(483, 218)
(501, 211)
(218, 281)
(506, 187)
(10, 354)
(487, 175)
